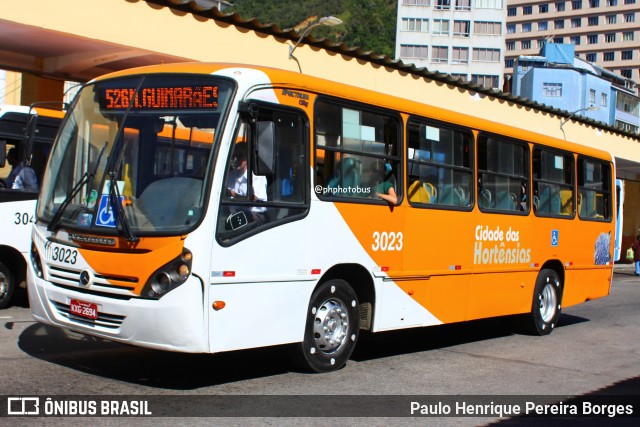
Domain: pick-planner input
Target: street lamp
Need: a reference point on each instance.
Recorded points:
(329, 21)
(563, 122)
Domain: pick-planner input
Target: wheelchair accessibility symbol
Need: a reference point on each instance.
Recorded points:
(554, 237)
(106, 215)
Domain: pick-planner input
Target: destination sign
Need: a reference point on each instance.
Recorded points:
(151, 98)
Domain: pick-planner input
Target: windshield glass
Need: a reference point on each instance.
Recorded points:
(151, 138)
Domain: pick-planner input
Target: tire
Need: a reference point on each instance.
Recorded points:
(546, 304)
(7, 286)
(331, 328)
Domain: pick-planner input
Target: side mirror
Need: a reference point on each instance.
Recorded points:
(264, 163)
(3, 153)
(29, 136)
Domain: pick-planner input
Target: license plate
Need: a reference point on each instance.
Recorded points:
(84, 309)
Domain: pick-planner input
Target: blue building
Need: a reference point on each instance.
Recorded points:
(560, 79)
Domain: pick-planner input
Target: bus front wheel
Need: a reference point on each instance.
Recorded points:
(546, 305)
(7, 285)
(331, 327)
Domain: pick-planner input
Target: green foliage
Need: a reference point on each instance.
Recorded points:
(368, 24)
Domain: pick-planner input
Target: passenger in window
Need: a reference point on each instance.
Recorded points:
(386, 188)
(237, 183)
(22, 176)
(523, 196)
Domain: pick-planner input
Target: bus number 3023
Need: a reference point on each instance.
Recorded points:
(387, 241)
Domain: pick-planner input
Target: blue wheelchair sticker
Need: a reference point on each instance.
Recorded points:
(554, 237)
(107, 217)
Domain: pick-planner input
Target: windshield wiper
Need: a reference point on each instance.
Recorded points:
(86, 178)
(114, 200)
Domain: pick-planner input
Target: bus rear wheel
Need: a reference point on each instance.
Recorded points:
(331, 328)
(546, 305)
(7, 286)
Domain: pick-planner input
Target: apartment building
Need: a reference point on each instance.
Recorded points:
(464, 38)
(604, 32)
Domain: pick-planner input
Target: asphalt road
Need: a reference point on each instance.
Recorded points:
(594, 350)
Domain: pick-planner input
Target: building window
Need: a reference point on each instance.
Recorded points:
(592, 39)
(441, 26)
(591, 57)
(626, 73)
(610, 38)
(592, 96)
(512, 11)
(442, 4)
(508, 63)
(462, 77)
(629, 1)
(576, 23)
(414, 51)
(415, 24)
(552, 90)
(608, 56)
(486, 81)
(439, 54)
(627, 55)
(543, 8)
(558, 40)
(594, 3)
(611, 19)
(488, 4)
(460, 55)
(558, 24)
(603, 100)
(527, 10)
(627, 36)
(525, 44)
(629, 17)
(612, 2)
(486, 55)
(526, 27)
(486, 28)
(575, 40)
(511, 45)
(560, 6)
(416, 2)
(542, 26)
(511, 28)
(576, 4)
(593, 20)
(463, 4)
(461, 28)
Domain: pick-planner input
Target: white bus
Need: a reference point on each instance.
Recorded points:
(29, 132)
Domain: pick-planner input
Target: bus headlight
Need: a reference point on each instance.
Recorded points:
(169, 277)
(35, 260)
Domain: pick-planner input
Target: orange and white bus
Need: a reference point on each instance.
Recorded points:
(142, 236)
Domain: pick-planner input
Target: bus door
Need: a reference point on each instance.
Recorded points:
(262, 246)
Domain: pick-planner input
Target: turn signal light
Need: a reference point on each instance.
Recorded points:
(218, 305)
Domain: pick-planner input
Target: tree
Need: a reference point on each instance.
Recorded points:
(368, 24)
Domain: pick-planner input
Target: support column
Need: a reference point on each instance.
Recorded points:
(38, 89)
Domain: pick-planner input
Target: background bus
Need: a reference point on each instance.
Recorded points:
(17, 208)
(139, 237)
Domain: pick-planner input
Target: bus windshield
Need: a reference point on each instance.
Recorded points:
(133, 156)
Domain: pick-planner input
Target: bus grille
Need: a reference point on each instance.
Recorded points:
(70, 279)
(105, 320)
